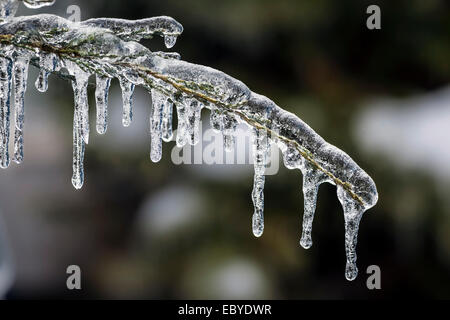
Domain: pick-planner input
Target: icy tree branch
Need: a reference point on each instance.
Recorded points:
(108, 48)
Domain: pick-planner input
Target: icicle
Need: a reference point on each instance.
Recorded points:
(42, 81)
(216, 119)
(170, 40)
(156, 119)
(20, 86)
(193, 115)
(80, 96)
(167, 133)
(127, 97)
(182, 125)
(5, 108)
(260, 150)
(47, 63)
(310, 190)
(101, 98)
(353, 212)
(229, 128)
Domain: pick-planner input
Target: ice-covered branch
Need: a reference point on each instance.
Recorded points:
(107, 48)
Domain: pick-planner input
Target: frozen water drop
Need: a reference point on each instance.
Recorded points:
(170, 40)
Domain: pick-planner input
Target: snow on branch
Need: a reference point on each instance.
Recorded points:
(108, 48)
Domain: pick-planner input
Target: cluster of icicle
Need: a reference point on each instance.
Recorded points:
(109, 48)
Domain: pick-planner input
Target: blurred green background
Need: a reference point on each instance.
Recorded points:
(144, 230)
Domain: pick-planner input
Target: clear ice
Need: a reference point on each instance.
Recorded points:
(156, 120)
(101, 99)
(20, 86)
(167, 133)
(5, 109)
(108, 48)
(127, 97)
(260, 155)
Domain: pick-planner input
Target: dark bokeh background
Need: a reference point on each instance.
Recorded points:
(144, 230)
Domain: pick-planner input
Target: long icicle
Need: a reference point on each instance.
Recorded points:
(156, 119)
(353, 213)
(5, 109)
(310, 190)
(20, 86)
(101, 98)
(260, 149)
(80, 97)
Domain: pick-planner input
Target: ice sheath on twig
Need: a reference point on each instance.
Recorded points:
(107, 49)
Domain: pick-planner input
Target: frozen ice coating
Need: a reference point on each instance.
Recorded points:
(136, 30)
(107, 49)
(20, 75)
(101, 99)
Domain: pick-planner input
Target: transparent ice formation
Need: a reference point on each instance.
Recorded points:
(108, 49)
